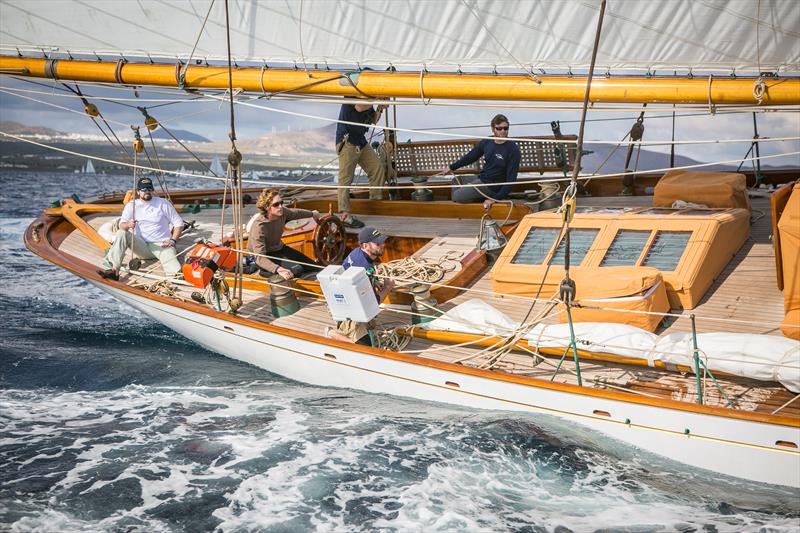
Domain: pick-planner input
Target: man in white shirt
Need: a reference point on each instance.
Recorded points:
(156, 227)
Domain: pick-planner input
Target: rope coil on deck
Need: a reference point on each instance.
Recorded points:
(420, 269)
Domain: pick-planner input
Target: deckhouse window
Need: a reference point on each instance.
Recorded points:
(626, 248)
(580, 242)
(666, 251)
(536, 245)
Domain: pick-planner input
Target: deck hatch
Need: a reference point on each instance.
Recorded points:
(536, 245)
(626, 248)
(580, 242)
(666, 251)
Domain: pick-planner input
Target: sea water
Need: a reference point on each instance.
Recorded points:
(110, 422)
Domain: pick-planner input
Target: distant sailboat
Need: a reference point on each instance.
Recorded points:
(89, 168)
(216, 167)
(182, 170)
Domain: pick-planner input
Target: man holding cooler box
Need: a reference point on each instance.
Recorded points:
(371, 247)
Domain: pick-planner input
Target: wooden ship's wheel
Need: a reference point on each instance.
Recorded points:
(329, 240)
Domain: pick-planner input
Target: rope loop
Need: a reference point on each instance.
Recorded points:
(421, 89)
(118, 70)
(261, 80)
(759, 90)
(712, 109)
(180, 75)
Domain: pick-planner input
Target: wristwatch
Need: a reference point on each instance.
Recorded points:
(173, 241)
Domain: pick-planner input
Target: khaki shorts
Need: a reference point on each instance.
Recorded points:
(354, 330)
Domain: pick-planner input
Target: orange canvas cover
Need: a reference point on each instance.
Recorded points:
(204, 260)
(624, 288)
(789, 229)
(713, 189)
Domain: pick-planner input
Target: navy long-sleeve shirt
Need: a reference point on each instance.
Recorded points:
(501, 164)
(356, 133)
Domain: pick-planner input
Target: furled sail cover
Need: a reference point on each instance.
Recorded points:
(709, 35)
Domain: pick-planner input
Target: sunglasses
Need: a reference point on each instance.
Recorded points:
(278, 204)
(501, 128)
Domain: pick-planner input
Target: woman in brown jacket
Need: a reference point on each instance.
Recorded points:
(265, 238)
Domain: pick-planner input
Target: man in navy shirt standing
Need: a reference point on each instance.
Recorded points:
(501, 164)
(353, 149)
(371, 244)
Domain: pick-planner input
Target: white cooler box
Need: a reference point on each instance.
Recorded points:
(349, 293)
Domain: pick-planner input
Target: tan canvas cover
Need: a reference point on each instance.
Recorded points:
(624, 288)
(789, 228)
(714, 189)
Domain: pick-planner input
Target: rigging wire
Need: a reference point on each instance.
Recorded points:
(475, 137)
(110, 100)
(444, 185)
(182, 74)
(401, 279)
(188, 150)
(567, 289)
(161, 182)
(529, 73)
(90, 110)
(234, 173)
(421, 131)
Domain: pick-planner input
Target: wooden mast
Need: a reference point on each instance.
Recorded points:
(623, 89)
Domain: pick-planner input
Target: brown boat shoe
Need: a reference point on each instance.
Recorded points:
(109, 273)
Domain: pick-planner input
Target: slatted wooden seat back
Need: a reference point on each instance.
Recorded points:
(425, 158)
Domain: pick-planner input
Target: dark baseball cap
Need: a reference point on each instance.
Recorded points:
(145, 184)
(369, 234)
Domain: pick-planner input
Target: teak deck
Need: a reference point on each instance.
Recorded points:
(743, 299)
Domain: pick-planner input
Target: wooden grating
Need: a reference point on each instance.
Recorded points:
(539, 154)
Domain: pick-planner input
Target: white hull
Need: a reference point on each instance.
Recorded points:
(739, 448)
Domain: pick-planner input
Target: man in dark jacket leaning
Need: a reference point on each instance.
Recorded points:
(501, 164)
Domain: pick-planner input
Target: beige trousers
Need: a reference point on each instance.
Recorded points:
(168, 257)
(366, 158)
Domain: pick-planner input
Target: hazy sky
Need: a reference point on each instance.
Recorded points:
(211, 120)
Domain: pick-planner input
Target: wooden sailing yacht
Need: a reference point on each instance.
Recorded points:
(726, 418)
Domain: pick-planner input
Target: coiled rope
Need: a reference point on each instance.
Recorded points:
(420, 269)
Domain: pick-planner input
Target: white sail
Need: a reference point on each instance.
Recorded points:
(89, 168)
(518, 34)
(216, 167)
